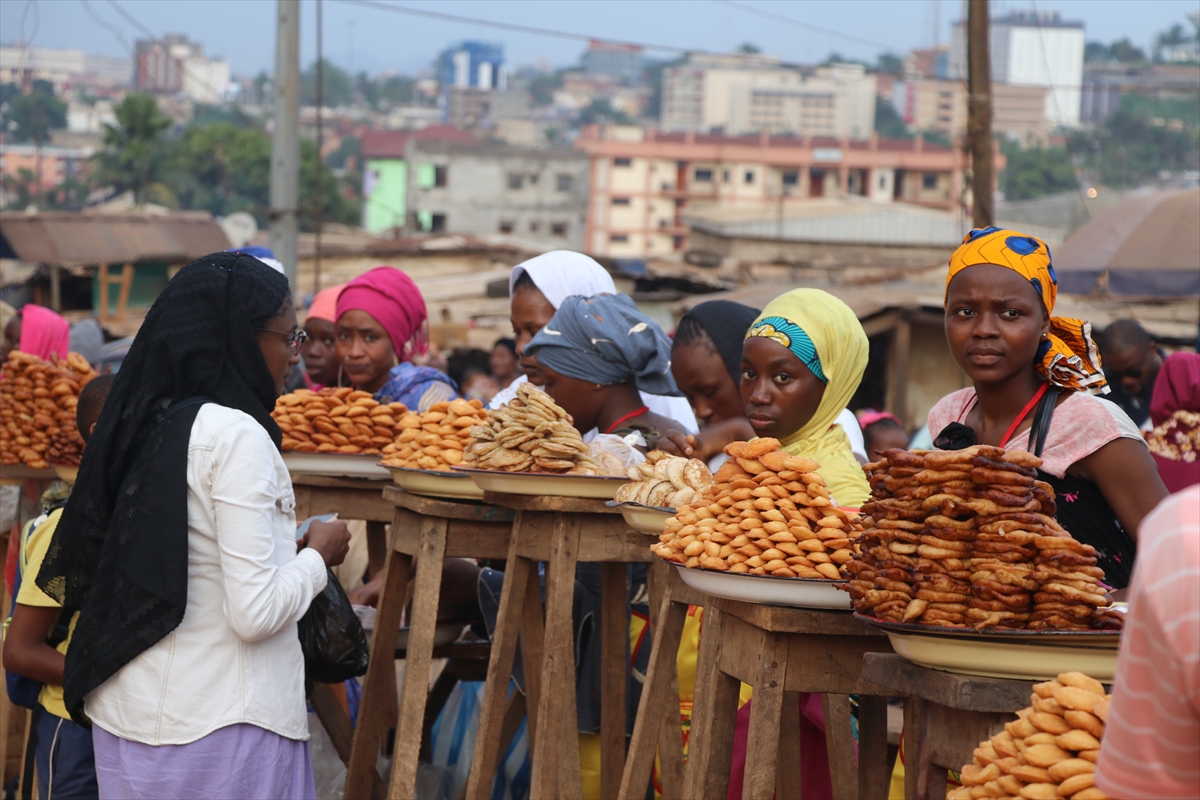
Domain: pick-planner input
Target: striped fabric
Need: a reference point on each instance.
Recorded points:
(1152, 744)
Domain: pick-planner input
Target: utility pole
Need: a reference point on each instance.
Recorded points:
(318, 211)
(285, 139)
(979, 114)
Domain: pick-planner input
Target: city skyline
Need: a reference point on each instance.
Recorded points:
(363, 36)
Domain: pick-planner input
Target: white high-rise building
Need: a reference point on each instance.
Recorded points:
(1033, 48)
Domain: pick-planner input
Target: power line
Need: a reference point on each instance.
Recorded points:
(116, 31)
(508, 26)
(804, 25)
(154, 38)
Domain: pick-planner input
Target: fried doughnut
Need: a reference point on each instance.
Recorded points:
(1067, 558)
(1070, 768)
(1050, 723)
(903, 458)
(1003, 498)
(1084, 721)
(915, 609)
(1079, 699)
(945, 544)
(937, 616)
(939, 521)
(982, 475)
(1021, 458)
(1001, 602)
(1029, 773)
(1020, 728)
(935, 596)
(934, 476)
(940, 459)
(1044, 755)
(1039, 791)
(1008, 466)
(1076, 739)
(929, 551)
(1012, 516)
(1081, 681)
(1101, 710)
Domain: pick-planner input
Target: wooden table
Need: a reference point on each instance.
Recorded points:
(657, 721)
(562, 532)
(780, 652)
(946, 716)
(20, 472)
(350, 498)
(429, 530)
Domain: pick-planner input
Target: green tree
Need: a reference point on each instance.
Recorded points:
(134, 155)
(1096, 52)
(1145, 137)
(1036, 172)
(749, 48)
(31, 116)
(385, 91)
(337, 87)
(888, 122)
(1127, 52)
(601, 111)
(335, 205)
(223, 168)
(1175, 35)
(542, 86)
(889, 64)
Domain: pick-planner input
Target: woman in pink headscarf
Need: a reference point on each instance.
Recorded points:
(38, 331)
(381, 324)
(1175, 412)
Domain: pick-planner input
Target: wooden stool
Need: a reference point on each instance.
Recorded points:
(780, 652)
(561, 531)
(430, 530)
(657, 721)
(946, 716)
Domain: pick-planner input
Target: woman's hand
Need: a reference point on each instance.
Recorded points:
(330, 539)
(677, 443)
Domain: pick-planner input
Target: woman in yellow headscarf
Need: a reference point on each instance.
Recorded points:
(1035, 380)
(802, 361)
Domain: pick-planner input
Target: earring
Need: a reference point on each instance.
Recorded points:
(599, 387)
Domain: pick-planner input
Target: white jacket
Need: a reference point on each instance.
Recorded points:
(235, 657)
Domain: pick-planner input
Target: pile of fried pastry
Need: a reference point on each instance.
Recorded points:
(1049, 752)
(967, 538)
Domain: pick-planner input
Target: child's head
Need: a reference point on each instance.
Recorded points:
(881, 431)
(706, 358)
(91, 402)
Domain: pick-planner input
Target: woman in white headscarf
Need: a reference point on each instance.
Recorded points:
(537, 288)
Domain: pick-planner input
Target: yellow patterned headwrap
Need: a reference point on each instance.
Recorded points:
(1068, 357)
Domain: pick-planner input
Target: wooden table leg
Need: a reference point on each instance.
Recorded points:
(670, 743)
(658, 708)
(418, 658)
(555, 751)
(874, 771)
(714, 717)
(334, 719)
(614, 657)
(762, 743)
(923, 780)
(377, 546)
(839, 741)
(518, 572)
(787, 769)
(533, 638)
(376, 713)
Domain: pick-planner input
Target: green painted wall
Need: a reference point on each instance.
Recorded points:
(385, 207)
(148, 281)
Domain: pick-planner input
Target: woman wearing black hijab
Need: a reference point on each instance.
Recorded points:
(178, 550)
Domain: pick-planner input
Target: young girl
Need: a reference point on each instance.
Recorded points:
(802, 361)
(1000, 294)
(380, 326)
(595, 355)
(321, 361)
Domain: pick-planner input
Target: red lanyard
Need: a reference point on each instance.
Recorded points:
(1024, 413)
(627, 417)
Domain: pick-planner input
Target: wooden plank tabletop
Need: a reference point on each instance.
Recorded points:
(21, 472)
(963, 692)
(328, 481)
(780, 619)
(473, 510)
(529, 502)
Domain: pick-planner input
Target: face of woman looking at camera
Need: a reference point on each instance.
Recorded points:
(995, 323)
(365, 350)
(780, 393)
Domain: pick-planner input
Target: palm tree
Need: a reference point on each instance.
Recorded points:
(133, 155)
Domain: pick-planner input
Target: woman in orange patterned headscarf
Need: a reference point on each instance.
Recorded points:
(1029, 367)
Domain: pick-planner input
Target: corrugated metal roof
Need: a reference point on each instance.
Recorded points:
(75, 239)
(846, 221)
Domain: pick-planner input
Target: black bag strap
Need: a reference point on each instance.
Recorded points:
(1042, 416)
(180, 405)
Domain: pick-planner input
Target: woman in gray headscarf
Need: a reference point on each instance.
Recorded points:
(596, 354)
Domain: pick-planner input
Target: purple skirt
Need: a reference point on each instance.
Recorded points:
(240, 761)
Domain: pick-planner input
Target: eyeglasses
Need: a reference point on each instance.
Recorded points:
(295, 339)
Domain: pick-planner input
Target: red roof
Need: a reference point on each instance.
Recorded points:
(391, 144)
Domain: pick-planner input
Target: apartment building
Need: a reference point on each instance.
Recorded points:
(640, 183)
(737, 95)
(1032, 48)
(1018, 112)
(175, 65)
(535, 194)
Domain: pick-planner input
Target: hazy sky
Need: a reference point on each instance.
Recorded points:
(373, 39)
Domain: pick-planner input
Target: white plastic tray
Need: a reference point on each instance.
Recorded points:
(433, 483)
(769, 589)
(594, 487)
(649, 520)
(335, 465)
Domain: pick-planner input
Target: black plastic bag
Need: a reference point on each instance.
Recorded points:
(331, 638)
